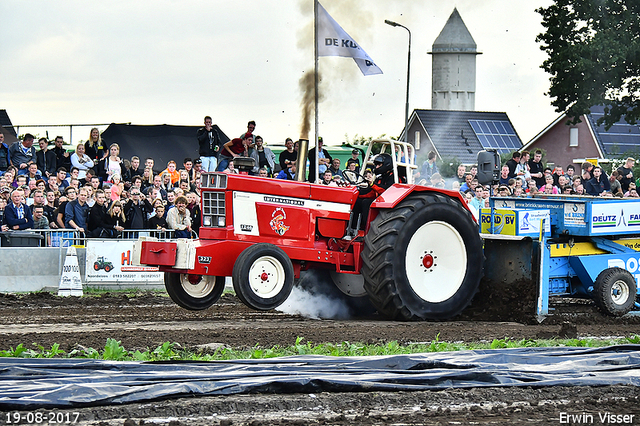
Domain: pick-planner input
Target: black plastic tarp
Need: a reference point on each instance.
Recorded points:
(162, 143)
(58, 383)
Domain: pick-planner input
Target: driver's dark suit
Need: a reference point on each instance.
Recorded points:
(366, 197)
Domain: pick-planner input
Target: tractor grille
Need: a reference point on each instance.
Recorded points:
(213, 212)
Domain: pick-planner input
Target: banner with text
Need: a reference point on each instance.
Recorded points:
(334, 41)
(110, 261)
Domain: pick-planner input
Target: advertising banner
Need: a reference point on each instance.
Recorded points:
(574, 214)
(110, 261)
(622, 217)
(518, 222)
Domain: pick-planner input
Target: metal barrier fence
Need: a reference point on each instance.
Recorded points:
(69, 237)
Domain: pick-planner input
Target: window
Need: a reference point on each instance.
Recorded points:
(573, 136)
(416, 140)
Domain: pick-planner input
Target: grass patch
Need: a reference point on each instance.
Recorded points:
(130, 292)
(114, 351)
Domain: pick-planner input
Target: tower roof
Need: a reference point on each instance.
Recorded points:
(454, 37)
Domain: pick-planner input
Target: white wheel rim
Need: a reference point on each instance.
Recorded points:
(619, 292)
(202, 289)
(266, 277)
(436, 261)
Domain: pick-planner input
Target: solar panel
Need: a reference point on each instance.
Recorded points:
(621, 138)
(496, 134)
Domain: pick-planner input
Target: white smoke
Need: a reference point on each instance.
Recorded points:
(314, 305)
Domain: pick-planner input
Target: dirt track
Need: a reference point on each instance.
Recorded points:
(148, 320)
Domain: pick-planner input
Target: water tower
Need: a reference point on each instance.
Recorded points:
(453, 79)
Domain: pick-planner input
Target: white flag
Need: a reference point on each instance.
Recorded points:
(334, 41)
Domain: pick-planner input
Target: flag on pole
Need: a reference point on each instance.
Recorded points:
(334, 41)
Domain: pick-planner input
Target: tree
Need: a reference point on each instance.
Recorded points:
(448, 167)
(594, 57)
(362, 140)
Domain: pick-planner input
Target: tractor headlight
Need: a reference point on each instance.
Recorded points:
(206, 220)
(221, 221)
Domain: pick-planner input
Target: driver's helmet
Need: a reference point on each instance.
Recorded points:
(383, 163)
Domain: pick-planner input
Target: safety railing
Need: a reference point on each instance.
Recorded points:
(71, 237)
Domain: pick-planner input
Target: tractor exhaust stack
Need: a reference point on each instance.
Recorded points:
(301, 162)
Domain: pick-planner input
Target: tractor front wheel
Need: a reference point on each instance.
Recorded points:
(614, 291)
(423, 259)
(263, 276)
(193, 292)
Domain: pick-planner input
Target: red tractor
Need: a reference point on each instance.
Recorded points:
(419, 257)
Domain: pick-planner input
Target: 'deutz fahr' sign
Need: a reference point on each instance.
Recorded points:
(110, 261)
(615, 218)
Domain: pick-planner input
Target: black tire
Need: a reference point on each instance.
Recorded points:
(614, 291)
(423, 259)
(107, 268)
(263, 276)
(96, 266)
(196, 296)
(361, 307)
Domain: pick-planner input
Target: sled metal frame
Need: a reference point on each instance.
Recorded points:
(572, 257)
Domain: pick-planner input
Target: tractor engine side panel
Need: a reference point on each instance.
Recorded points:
(282, 220)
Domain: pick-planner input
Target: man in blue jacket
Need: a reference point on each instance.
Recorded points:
(598, 183)
(77, 212)
(17, 214)
(22, 154)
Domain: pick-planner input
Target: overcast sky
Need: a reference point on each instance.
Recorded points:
(173, 62)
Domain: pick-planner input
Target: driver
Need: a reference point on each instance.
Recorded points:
(379, 181)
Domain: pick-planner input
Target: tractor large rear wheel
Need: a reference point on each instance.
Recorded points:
(423, 259)
(193, 292)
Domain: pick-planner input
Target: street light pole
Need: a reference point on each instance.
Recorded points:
(406, 106)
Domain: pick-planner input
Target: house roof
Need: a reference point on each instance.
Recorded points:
(620, 139)
(6, 127)
(461, 134)
(454, 37)
(162, 143)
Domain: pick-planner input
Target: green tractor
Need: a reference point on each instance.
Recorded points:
(102, 264)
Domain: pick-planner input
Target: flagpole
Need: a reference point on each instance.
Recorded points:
(315, 86)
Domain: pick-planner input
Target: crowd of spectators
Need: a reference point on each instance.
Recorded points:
(96, 192)
(93, 190)
(526, 176)
(220, 157)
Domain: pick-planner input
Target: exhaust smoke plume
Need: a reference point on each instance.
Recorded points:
(341, 70)
(315, 296)
(316, 306)
(359, 23)
(307, 103)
